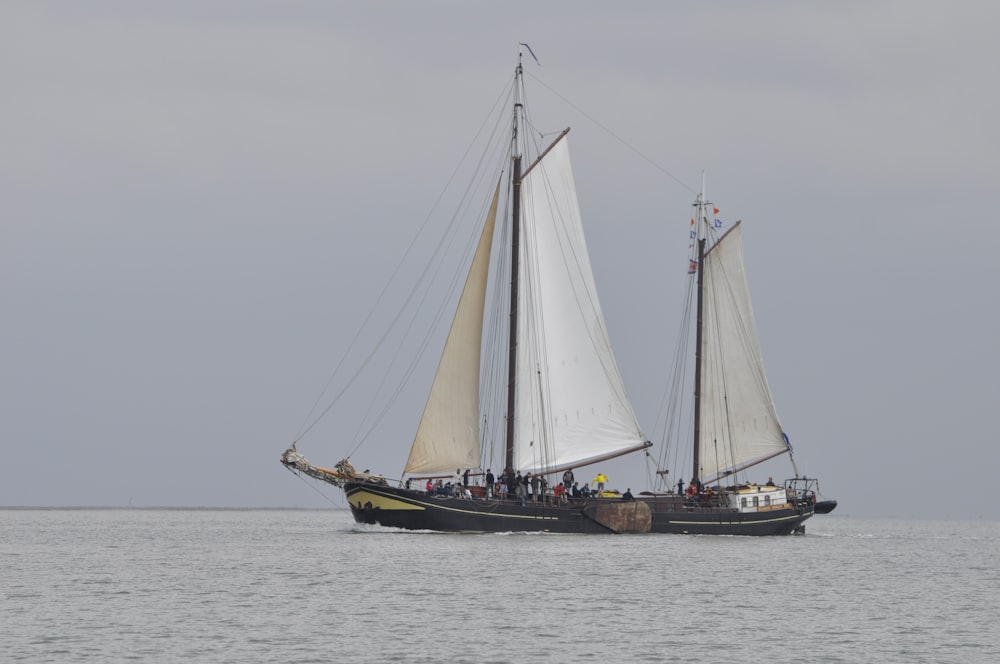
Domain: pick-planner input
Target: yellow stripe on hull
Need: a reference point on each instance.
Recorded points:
(359, 498)
(736, 521)
(388, 503)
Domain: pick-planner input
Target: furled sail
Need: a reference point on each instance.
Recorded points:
(571, 403)
(739, 424)
(448, 435)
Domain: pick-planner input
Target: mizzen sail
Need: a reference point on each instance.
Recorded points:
(739, 424)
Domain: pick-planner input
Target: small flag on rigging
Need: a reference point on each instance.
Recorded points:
(692, 267)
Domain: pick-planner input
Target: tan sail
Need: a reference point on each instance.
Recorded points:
(448, 435)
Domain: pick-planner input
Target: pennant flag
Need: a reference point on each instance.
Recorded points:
(715, 210)
(532, 54)
(692, 221)
(692, 235)
(718, 223)
(692, 267)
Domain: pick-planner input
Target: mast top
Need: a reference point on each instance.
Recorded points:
(701, 203)
(518, 105)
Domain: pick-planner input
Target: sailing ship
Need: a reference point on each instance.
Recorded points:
(563, 404)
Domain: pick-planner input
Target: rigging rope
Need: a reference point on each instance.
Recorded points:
(304, 429)
(314, 487)
(615, 136)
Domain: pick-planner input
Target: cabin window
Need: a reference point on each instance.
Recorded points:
(767, 500)
(756, 501)
(743, 501)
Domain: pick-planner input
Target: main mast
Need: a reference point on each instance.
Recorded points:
(515, 243)
(699, 327)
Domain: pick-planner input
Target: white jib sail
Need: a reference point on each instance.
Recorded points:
(739, 424)
(571, 403)
(448, 435)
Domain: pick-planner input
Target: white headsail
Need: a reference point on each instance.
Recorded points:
(571, 402)
(739, 425)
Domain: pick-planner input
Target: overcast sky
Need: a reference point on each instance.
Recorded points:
(199, 201)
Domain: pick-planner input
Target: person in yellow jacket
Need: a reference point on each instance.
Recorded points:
(600, 480)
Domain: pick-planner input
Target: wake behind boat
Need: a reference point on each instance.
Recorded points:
(554, 389)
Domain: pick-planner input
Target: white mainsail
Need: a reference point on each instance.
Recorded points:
(571, 403)
(739, 425)
(448, 435)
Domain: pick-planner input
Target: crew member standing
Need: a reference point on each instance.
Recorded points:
(489, 483)
(600, 479)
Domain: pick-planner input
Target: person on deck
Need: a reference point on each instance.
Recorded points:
(559, 494)
(600, 479)
(576, 490)
(585, 491)
(568, 479)
(680, 486)
(489, 483)
(429, 486)
(770, 481)
(628, 494)
(465, 478)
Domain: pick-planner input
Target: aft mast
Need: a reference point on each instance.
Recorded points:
(515, 242)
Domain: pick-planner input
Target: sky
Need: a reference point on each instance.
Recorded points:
(199, 202)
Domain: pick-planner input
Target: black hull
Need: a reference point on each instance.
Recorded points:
(825, 506)
(414, 510)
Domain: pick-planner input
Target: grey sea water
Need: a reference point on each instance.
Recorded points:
(311, 586)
